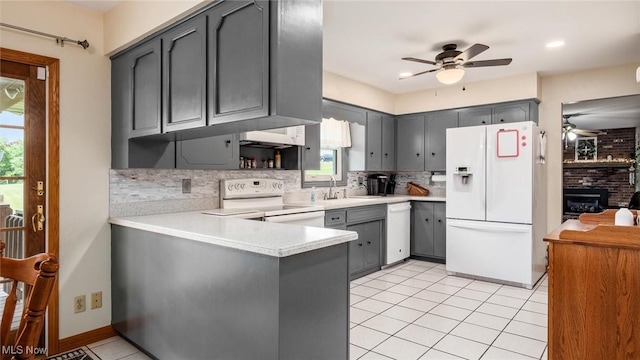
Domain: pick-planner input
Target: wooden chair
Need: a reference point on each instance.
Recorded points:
(38, 273)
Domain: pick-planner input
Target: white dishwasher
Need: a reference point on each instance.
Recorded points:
(398, 232)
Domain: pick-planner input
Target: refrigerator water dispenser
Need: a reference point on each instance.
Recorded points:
(464, 172)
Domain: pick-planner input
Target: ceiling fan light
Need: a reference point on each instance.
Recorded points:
(572, 136)
(450, 76)
(405, 74)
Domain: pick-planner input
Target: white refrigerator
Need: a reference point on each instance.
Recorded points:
(496, 203)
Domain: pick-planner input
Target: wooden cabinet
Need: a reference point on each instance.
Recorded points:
(369, 222)
(184, 76)
(594, 279)
(216, 152)
(238, 60)
(428, 230)
(436, 137)
(410, 143)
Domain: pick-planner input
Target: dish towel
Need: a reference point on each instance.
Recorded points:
(543, 146)
(334, 134)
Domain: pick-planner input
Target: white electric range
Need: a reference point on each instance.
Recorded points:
(262, 199)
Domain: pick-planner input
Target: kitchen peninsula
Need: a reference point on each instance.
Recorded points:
(194, 286)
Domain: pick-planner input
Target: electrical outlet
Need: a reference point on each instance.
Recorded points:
(186, 186)
(96, 300)
(79, 304)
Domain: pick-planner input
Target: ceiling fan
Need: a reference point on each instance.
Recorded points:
(451, 62)
(570, 131)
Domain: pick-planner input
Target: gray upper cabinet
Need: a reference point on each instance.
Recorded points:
(373, 140)
(410, 142)
(184, 79)
(474, 116)
(435, 135)
(216, 152)
(509, 113)
(143, 110)
(388, 143)
(311, 148)
(238, 61)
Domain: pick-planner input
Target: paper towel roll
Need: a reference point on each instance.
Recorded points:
(439, 178)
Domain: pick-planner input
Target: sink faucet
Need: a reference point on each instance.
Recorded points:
(332, 195)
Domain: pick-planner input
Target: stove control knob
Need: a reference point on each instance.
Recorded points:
(279, 186)
(242, 186)
(237, 186)
(230, 187)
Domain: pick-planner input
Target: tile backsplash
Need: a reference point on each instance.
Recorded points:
(154, 191)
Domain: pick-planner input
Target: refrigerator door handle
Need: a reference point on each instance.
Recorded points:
(490, 227)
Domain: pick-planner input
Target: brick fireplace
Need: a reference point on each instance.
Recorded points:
(613, 176)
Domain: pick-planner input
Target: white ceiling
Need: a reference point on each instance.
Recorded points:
(364, 40)
(599, 114)
(97, 5)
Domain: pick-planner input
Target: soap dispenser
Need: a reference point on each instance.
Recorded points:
(624, 217)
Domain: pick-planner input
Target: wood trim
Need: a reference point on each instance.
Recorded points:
(53, 214)
(86, 338)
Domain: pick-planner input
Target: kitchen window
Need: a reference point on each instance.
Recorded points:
(330, 166)
(335, 137)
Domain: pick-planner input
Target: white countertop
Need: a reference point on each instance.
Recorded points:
(364, 201)
(273, 239)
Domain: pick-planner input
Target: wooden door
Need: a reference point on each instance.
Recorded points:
(23, 176)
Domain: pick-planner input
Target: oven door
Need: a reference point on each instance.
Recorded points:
(314, 218)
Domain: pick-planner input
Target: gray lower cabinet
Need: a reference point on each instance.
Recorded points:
(428, 230)
(369, 222)
(216, 152)
(436, 127)
(410, 143)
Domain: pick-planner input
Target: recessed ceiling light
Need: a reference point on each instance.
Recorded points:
(405, 74)
(555, 44)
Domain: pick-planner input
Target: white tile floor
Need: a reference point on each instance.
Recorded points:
(414, 310)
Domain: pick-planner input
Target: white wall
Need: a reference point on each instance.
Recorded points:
(517, 87)
(340, 88)
(577, 86)
(84, 148)
(130, 21)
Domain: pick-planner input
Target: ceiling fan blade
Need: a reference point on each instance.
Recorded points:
(420, 73)
(474, 50)
(481, 63)
(588, 133)
(419, 60)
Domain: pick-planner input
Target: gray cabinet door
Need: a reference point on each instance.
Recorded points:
(422, 242)
(217, 152)
(439, 230)
(120, 111)
(184, 76)
(474, 116)
(372, 238)
(410, 143)
(373, 141)
(436, 138)
(146, 89)
(238, 33)
(311, 149)
(356, 255)
(509, 113)
(388, 143)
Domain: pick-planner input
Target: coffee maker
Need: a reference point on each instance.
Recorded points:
(377, 184)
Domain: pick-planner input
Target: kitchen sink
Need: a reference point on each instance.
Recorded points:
(366, 196)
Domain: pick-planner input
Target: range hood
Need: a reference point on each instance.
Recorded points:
(274, 138)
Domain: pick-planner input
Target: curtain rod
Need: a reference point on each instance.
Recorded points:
(59, 39)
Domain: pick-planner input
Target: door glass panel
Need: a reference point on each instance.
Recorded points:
(12, 182)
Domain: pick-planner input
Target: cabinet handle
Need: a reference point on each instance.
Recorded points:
(426, 219)
(385, 155)
(484, 122)
(433, 154)
(308, 148)
(335, 218)
(369, 242)
(439, 220)
(371, 153)
(417, 154)
(227, 143)
(360, 244)
(501, 120)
